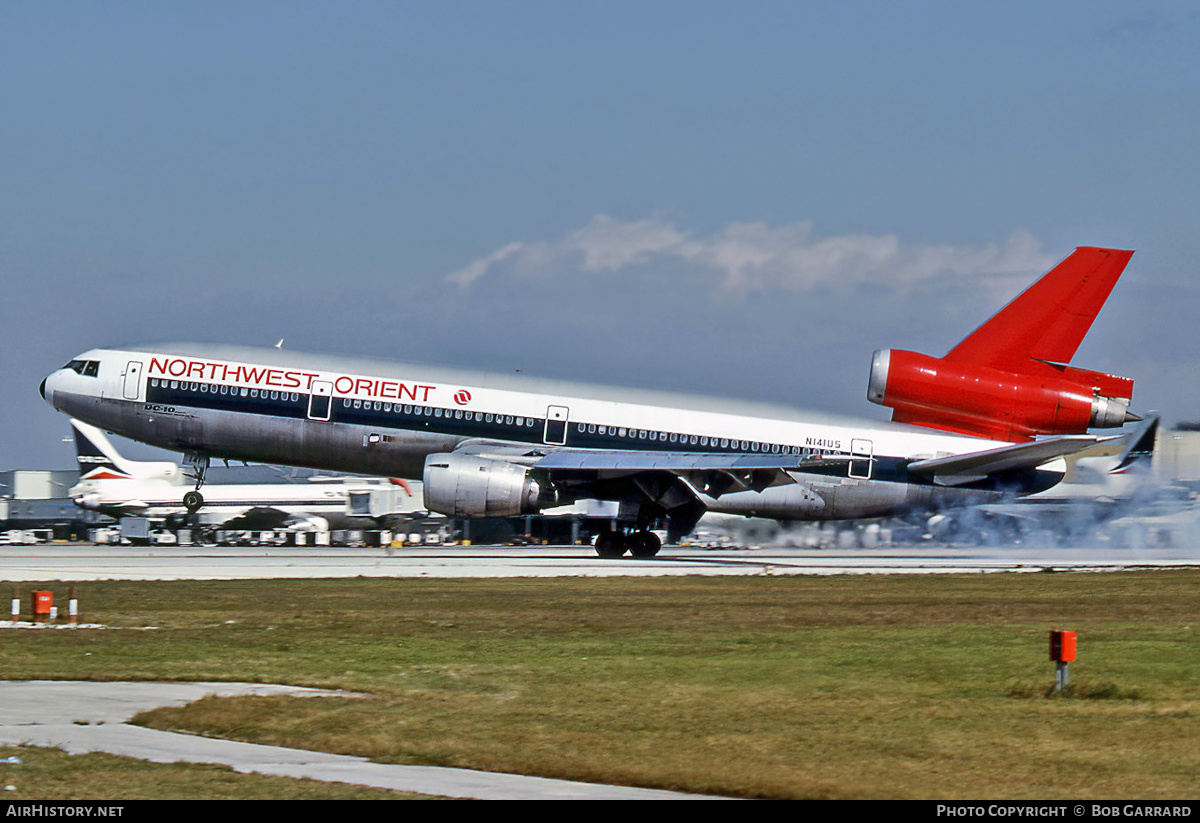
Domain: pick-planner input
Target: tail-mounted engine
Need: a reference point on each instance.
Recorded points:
(994, 403)
(462, 485)
(1007, 380)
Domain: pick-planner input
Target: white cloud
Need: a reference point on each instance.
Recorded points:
(472, 272)
(748, 257)
(609, 244)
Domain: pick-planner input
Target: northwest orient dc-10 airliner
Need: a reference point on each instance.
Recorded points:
(992, 419)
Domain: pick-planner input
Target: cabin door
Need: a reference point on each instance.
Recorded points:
(133, 380)
(556, 425)
(861, 454)
(320, 401)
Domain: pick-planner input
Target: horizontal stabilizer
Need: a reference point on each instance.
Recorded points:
(1006, 458)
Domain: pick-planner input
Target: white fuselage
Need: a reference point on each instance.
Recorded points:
(375, 417)
(161, 498)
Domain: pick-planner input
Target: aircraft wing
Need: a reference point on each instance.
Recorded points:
(673, 483)
(712, 474)
(610, 464)
(635, 461)
(500, 450)
(562, 461)
(966, 468)
(656, 483)
(118, 509)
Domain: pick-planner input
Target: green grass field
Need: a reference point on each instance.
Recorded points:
(845, 687)
(49, 774)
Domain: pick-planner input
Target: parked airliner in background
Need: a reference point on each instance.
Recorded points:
(1100, 484)
(160, 490)
(499, 446)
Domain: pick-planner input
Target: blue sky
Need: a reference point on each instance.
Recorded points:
(736, 199)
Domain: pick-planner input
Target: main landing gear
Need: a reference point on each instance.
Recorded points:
(639, 543)
(195, 466)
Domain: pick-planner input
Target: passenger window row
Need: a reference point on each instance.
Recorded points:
(657, 437)
(231, 391)
(434, 411)
(687, 439)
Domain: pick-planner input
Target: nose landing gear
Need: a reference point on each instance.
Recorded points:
(195, 466)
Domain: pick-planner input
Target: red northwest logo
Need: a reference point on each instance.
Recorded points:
(462, 397)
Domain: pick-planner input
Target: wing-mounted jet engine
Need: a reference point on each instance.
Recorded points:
(1010, 378)
(465, 485)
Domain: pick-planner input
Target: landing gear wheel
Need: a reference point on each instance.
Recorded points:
(644, 544)
(610, 544)
(192, 501)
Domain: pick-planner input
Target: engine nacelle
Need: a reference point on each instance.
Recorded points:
(462, 485)
(1003, 405)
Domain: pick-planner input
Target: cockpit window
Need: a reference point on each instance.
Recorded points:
(88, 368)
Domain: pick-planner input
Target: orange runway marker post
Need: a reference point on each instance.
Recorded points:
(1062, 652)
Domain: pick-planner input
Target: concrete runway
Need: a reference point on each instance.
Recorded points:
(84, 562)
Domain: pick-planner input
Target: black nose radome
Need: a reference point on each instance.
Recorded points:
(42, 388)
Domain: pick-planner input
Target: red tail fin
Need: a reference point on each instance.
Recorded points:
(1048, 320)
(1009, 379)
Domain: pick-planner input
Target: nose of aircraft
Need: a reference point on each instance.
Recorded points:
(47, 387)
